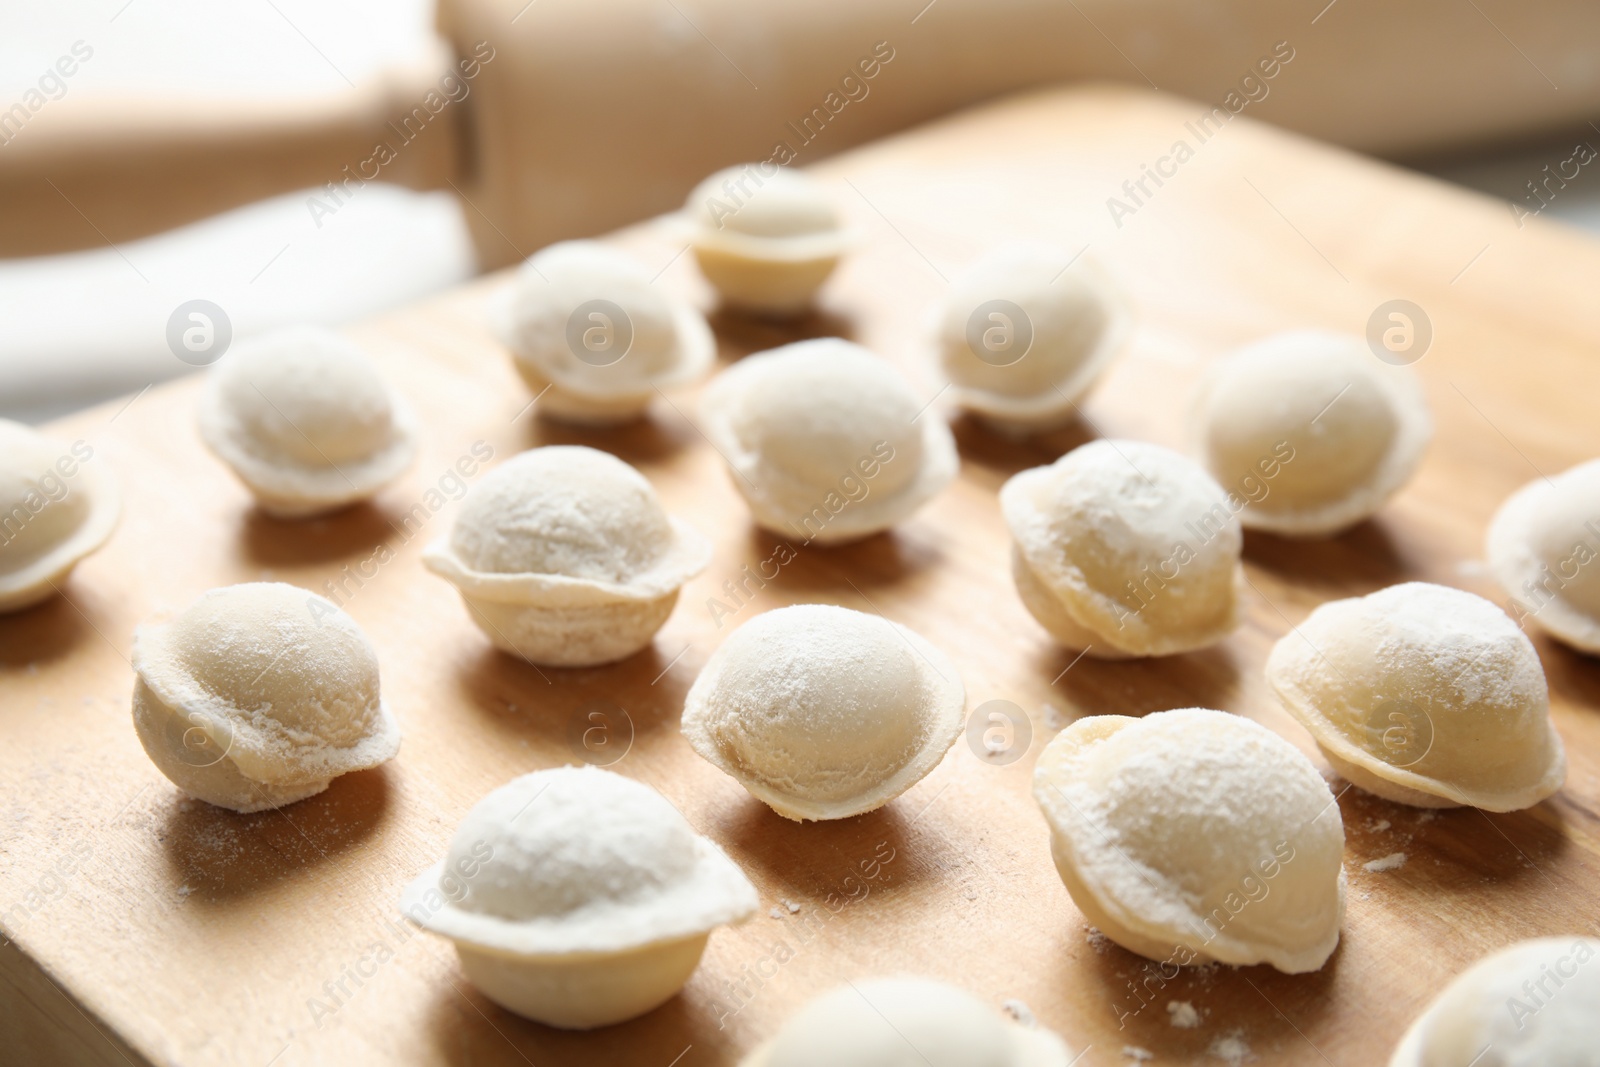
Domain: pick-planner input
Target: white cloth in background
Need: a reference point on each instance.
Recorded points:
(87, 326)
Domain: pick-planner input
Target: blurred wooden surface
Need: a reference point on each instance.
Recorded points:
(199, 937)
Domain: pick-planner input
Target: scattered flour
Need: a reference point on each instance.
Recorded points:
(1055, 718)
(794, 909)
(1137, 1054)
(1182, 1014)
(1097, 941)
(1387, 863)
(776, 913)
(1230, 1048)
(1381, 825)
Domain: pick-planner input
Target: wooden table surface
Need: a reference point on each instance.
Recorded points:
(149, 928)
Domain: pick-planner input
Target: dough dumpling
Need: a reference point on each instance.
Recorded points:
(1424, 695)
(1311, 429)
(306, 421)
(1194, 835)
(1123, 549)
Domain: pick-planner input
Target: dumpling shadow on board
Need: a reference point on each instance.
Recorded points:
(1137, 990)
(830, 863)
(1571, 674)
(577, 712)
(740, 333)
(1518, 848)
(46, 631)
(659, 435)
(222, 856)
(1207, 678)
(1362, 558)
(1004, 455)
(349, 533)
(812, 569)
(469, 1029)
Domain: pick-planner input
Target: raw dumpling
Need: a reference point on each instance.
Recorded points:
(56, 507)
(594, 339)
(578, 897)
(766, 237)
(259, 695)
(1542, 547)
(1191, 836)
(1022, 335)
(901, 1022)
(822, 712)
(306, 422)
(1424, 695)
(1531, 1004)
(1123, 548)
(565, 557)
(824, 440)
(1310, 429)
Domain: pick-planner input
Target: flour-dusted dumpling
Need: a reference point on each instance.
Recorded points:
(57, 505)
(824, 440)
(1543, 546)
(1022, 335)
(905, 1022)
(766, 237)
(1125, 549)
(259, 695)
(1531, 1004)
(594, 339)
(306, 422)
(1309, 429)
(822, 712)
(1424, 695)
(1194, 835)
(565, 557)
(578, 897)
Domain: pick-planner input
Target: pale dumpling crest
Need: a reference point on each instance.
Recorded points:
(1544, 549)
(765, 236)
(594, 338)
(822, 712)
(1124, 548)
(895, 1022)
(306, 421)
(259, 695)
(1194, 835)
(1531, 1004)
(58, 504)
(826, 441)
(578, 897)
(1310, 429)
(1424, 695)
(564, 556)
(1024, 333)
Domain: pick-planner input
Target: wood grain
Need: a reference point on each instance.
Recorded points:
(198, 937)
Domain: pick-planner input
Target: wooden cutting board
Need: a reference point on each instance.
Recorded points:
(148, 928)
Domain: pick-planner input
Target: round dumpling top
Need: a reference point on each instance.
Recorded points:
(1328, 430)
(567, 518)
(766, 212)
(1428, 688)
(827, 416)
(1196, 835)
(1138, 544)
(1022, 333)
(585, 316)
(577, 860)
(55, 508)
(280, 679)
(1531, 1004)
(897, 1022)
(302, 413)
(822, 712)
(1542, 547)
